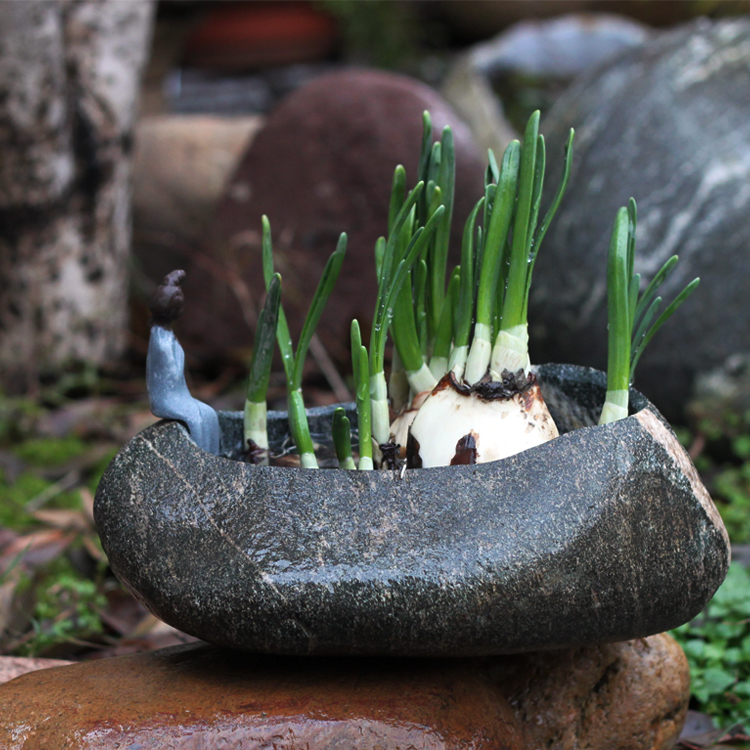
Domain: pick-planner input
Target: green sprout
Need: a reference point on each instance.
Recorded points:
(361, 369)
(255, 425)
(294, 362)
(342, 439)
(631, 318)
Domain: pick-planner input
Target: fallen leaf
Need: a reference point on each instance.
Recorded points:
(6, 537)
(7, 594)
(60, 518)
(14, 666)
(87, 503)
(36, 548)
(699, 727)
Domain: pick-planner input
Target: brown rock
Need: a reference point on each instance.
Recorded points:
(181, 166)
(198, 696)
(322, 164)
(14, 666)
(619, 696)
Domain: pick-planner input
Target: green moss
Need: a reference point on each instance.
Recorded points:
(18, 417)
(49, 452)
(13, 499)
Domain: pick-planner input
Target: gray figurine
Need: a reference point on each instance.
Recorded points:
(168, 392)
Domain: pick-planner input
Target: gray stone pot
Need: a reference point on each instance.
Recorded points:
(604, 534)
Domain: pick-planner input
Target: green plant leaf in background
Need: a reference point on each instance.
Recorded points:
(717, 645)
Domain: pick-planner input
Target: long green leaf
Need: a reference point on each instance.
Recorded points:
(439, 261)
(660, 277)
(283, 337)
(465, 307)
(496, 233)
(515, 293)
(493, 172)
(265, 339)
(544, 226)
(364, 411)
(361, 369)
(618, 360)
(681, 297)
(322, 293)
(398, 195)
(300, 429)
(423, 170)
(444, 333)
(386, 277)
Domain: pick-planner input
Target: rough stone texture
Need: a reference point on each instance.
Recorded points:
(668, 124)
(15, 666)
(322, 164)
(198, 696)
(69, 80)
(603, 534)
(618, 696)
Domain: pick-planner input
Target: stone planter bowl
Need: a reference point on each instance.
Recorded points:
(604, 534)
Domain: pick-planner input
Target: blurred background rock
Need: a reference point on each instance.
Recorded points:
(220, 73)
(218, 79)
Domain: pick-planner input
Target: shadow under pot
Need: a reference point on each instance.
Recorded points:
(603, 534)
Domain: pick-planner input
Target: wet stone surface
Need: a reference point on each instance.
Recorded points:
(200, 696)
(603, 534)
(629, 696)
(668, 124)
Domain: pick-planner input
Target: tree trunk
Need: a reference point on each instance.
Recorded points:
(69, 81)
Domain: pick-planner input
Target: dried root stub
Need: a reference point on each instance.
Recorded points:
(487, 421)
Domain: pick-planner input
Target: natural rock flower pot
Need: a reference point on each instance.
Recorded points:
(603, 534)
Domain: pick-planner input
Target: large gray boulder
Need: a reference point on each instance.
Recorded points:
(669, 124)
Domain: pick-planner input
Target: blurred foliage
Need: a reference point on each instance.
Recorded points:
(54, 448)
(67, 609)
(18, 417)
(722, 456)
(717, 642)
(379, 33)
(717, 645)
(720, 8)
(389, 35)
(49, 452)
